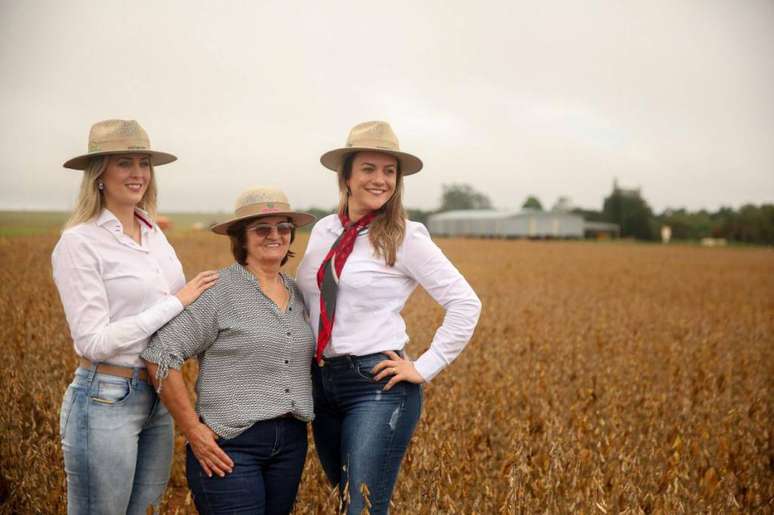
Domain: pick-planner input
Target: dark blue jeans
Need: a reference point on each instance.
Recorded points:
(268, 460)
(360, 431)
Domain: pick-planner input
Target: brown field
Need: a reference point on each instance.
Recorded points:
(603, 378)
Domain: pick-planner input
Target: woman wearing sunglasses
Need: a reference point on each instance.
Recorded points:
(247, 434)
(359, 269)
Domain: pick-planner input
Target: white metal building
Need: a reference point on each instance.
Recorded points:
(489, 223)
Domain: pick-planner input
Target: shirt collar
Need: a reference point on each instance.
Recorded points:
(334, 226)
(108, 220)
(145, 220)
(249, 277)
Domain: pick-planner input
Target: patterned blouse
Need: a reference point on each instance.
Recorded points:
(254, 360)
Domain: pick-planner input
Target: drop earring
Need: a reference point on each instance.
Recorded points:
(100, 185)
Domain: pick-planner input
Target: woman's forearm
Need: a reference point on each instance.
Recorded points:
(174, 395)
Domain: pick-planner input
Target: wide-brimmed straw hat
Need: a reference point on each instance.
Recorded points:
(263, 201)
(372, 137)
(118, 137)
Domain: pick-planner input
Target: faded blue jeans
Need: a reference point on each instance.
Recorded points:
(117, 440)
(360, 431)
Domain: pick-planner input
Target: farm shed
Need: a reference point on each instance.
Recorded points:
(489, 223)
(601, 230)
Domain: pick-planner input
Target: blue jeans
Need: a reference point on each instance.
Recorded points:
(117, 441)
(360, 431)
(268, 461)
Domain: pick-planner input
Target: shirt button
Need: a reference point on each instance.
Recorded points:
(287, 390)
(288, 333)
(286, 362)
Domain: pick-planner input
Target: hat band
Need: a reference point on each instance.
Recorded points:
(262, 208)
(118, 146)
(379, 144)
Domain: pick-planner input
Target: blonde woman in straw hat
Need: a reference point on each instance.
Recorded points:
(119, 281)
(247, 434)
(360, 266)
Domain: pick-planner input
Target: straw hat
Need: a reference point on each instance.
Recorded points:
(263, 201)
(118, 137)
(373, 137)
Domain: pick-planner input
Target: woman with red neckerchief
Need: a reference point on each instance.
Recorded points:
(360, 267)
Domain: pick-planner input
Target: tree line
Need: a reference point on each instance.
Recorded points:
(627, 208)
(748, 224)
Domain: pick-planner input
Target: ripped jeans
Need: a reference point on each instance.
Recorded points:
(117, 441)
(360, 431)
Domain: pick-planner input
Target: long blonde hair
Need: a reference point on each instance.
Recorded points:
(387, 230)
(91, 200)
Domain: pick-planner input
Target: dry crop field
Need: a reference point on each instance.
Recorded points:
(603, 378)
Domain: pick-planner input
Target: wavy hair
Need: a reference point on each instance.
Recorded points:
(387, 230)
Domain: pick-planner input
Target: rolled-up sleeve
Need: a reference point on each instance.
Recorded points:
(428, 265)
(188, 334)
(77, 275)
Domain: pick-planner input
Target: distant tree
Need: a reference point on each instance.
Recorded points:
(532, 202)
(463, 196)
(590, 215)
(767, 219)
(419, 215)
(562, 205)
(318, 213)
(722, 222)
(687, 226)
(751, 224)
(632, 214)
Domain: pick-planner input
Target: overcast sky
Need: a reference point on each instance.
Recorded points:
(515, 98)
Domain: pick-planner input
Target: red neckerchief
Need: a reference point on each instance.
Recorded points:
(329, 272)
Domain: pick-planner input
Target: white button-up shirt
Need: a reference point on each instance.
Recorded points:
(371, 296)
(116, 293)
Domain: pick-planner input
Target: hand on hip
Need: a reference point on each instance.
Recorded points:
(207, 451)
(399, 368)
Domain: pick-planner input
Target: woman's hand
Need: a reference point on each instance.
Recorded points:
(400, 369)
(191, 291)
(207, 451)
(201, 438)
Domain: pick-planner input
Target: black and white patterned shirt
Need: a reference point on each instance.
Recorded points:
(254, 360)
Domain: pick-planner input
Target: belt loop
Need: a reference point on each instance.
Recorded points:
(135, 376)
(92, 372)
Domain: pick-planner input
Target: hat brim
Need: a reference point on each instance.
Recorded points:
(82, 162)
(409, 164)
(299, 220)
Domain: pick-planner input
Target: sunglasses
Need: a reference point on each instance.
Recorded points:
(264, 230)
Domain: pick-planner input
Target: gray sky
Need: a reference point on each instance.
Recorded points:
(516, 98)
